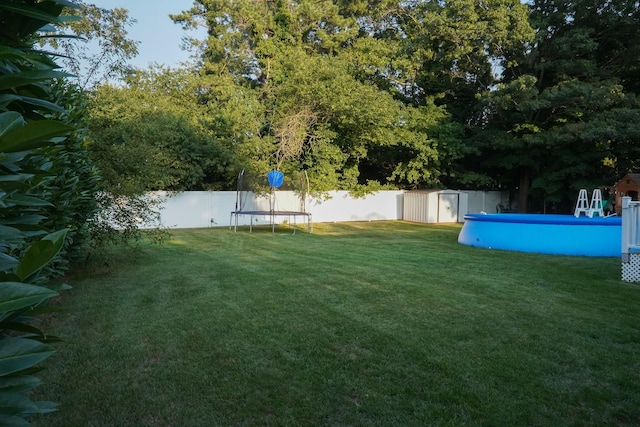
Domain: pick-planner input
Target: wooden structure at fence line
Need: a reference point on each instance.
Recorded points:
(630, 240)
(628, 186)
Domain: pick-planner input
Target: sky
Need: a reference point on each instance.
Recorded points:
(159, 37)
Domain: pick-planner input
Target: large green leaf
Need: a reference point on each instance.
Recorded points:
(13, 80)
(40, 253)
(37, 256)
(14, 404)
(7, 262)
(9, 121)
(9, 232)
(17, 404)
(13, 422)
(19, 177)
(8, 277)
(24, 220)
(33, 135)
(18, 383)
(30, 12)
(25, 328)
(22, 200)
(19, 354)
(6, 99)
(12, 157)
(7, 52)
(41, 59)
(17, 295)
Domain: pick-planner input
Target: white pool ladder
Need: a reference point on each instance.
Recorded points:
(596, 204)
(583, 206)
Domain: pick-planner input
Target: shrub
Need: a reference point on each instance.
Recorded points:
(28, 139)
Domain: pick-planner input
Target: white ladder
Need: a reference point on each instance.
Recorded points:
(582, 207)
(596, 204)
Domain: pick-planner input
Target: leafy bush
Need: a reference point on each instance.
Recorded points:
(74, 180)
(126, 218)
(30, 141)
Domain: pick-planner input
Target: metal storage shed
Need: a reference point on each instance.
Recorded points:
(434, 206)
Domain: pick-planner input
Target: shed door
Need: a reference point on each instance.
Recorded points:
(448, 207)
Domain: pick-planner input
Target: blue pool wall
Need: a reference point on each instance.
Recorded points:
(545, 234)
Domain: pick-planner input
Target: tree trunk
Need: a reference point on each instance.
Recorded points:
(523, 189)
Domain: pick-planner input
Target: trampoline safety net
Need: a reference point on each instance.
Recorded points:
(257, 196)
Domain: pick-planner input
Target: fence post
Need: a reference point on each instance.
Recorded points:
(630, 240)
(626, 228)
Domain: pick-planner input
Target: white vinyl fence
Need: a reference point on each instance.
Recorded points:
(200, 209)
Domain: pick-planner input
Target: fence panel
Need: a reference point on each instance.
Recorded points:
(630, 240)
(199, 209)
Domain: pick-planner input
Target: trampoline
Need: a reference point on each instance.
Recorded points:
(248, 188)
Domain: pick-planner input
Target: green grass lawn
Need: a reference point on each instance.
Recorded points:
(360, 324)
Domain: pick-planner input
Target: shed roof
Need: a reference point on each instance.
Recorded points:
(635, 177)
(450, 191)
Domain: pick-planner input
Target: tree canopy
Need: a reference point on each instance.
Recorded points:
(566, 114)
(538, 98)
(152, 135)
(387, 83)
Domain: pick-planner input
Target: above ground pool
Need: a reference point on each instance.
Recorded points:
(545, 234)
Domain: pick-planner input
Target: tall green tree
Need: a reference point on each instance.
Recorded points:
(566, 114)
(299, 58)
(150, 135)
(99, 47)
(450, 54)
